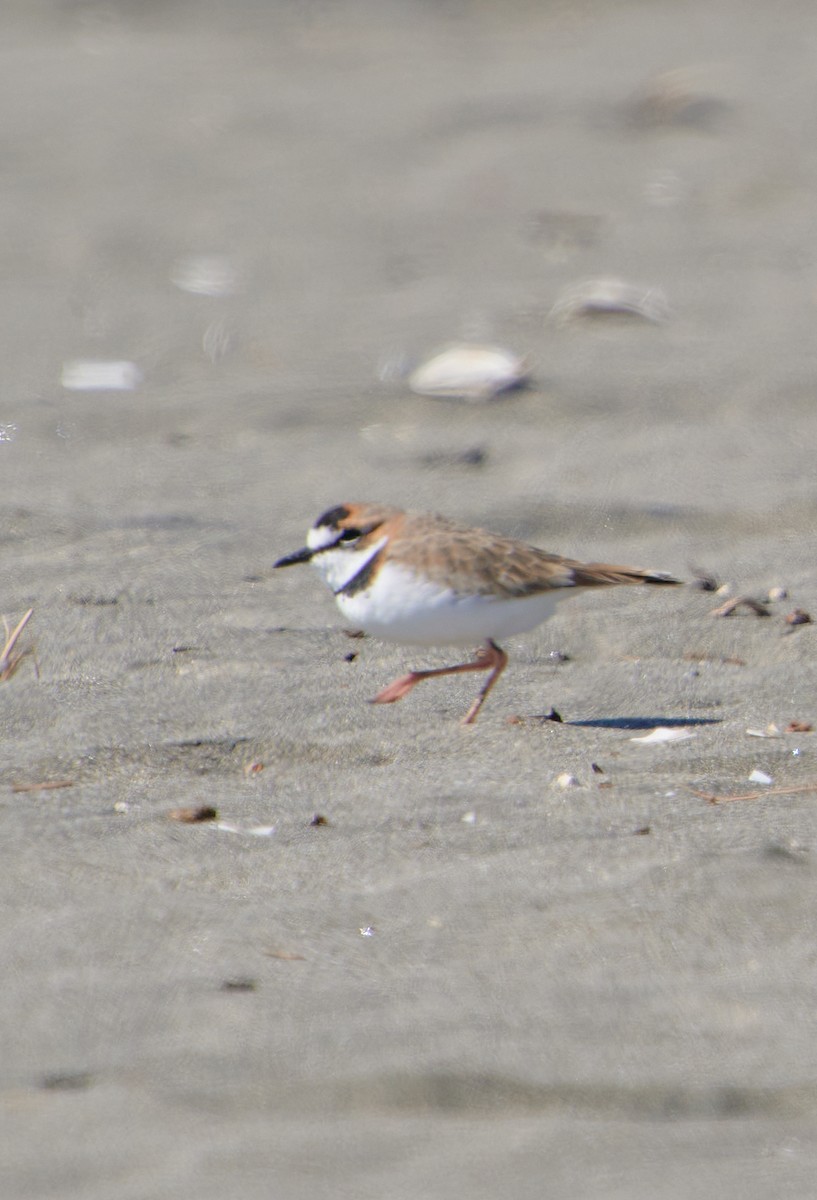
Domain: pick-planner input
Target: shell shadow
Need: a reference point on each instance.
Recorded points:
(643, 722)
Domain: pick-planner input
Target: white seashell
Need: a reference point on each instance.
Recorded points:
(469, 372)
(771, 731)
(248, 830)
(597, 297)
(205, 275)
(760, 777)
(89, 375)
(776, 593)
(662, 733)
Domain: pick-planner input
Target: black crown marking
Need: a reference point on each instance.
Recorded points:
(333, 516)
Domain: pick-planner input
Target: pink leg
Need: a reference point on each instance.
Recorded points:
(489, 658)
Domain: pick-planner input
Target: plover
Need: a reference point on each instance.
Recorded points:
(420, 579)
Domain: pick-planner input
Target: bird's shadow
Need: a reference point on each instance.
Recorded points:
(642, 722)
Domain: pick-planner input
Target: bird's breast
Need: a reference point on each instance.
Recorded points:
(398, 605)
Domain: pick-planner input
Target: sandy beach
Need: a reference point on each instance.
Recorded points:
(466, 980)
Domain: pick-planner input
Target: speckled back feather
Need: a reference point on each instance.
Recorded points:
(473, 560)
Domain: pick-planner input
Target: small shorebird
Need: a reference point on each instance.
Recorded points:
(421, 579)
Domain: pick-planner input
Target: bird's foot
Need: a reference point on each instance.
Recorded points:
(397, 690)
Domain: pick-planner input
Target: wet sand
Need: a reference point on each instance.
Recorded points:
(469, 981)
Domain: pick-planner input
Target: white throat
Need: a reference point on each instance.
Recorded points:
(338, 564)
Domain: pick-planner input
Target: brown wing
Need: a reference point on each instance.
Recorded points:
(522, 570)
(503, 566)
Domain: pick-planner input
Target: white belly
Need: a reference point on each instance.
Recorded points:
(400, 607)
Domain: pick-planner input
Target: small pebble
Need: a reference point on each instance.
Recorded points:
(558, 656)
(239, 985)
(566, 780)
(67, 1081)
(798, 617)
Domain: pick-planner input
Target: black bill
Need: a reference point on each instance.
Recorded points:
(299, 556)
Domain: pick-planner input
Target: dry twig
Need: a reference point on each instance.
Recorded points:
(726, 610)
(48, 785)
(724, 660)
(9, 661)
(714, 798)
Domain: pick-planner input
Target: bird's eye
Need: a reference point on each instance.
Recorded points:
(350, 535)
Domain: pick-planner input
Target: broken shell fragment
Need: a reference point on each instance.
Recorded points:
(249, 831)
(602, 297)
(680, 98)
(758, 776)
(663, 733)
(468, 371)
(90, 375)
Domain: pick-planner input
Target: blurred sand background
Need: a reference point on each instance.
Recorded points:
(470, 982)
